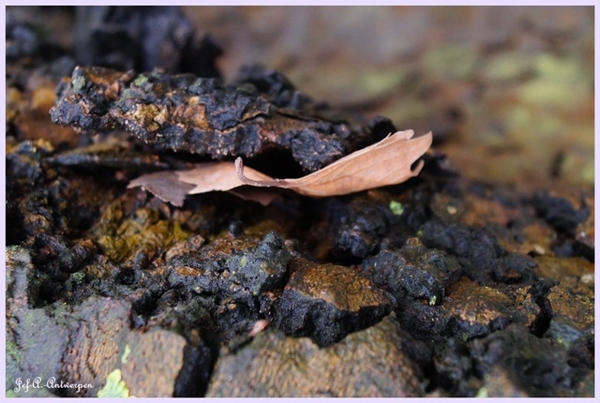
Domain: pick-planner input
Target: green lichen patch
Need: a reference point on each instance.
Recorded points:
(115, 386)
(396, 207)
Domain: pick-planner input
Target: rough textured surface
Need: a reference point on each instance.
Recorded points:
(474, 279)
(326, 302)
(236, 268)
(27, 329)
(478, 253)
(204, 116)
(83, 346)
(276, 366)
(413, 271)
(468, 317)
(144, 369)
(537, 363)
(97, 330)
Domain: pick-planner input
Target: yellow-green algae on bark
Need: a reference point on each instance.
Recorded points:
(145, 230)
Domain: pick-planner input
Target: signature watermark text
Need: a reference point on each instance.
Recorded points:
(51, 383)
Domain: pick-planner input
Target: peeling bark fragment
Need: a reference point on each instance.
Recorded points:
(204, 116)
(84, 99)
(107, 156)
(327, 302)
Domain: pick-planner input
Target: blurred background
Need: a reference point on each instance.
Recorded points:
(507, 91)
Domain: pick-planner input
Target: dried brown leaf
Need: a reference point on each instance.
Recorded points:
(165, 185)
(173, 186)
(387, 162)
(216, 176)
